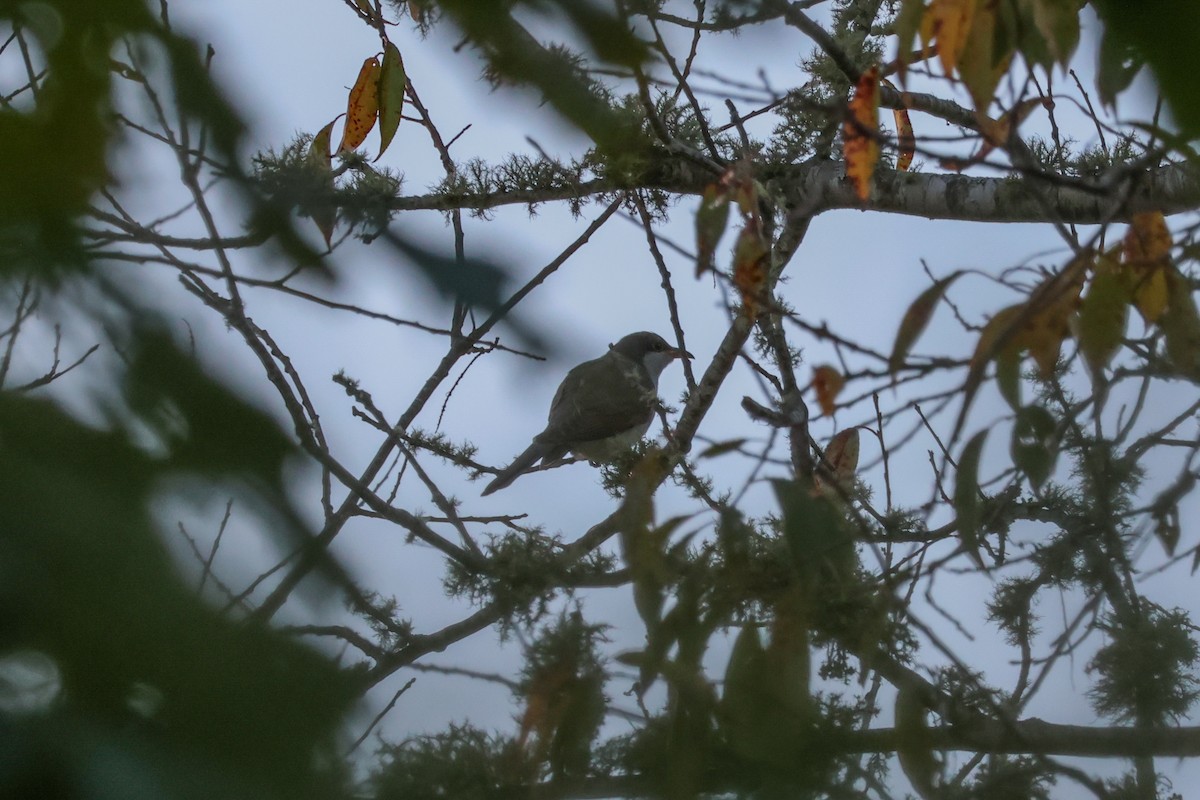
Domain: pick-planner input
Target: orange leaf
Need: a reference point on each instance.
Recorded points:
(362, 106)
(750, 267)
(860, 133)
(905, 140)
(392, 82)
(827, 382)
(949, 22)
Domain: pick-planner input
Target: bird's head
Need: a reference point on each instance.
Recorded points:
(649, 349)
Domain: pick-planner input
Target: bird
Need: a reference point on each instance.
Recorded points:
(602, 408)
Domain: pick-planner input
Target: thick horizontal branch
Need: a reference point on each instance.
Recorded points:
(1031, 736)
(819, 187)
(1034, 736)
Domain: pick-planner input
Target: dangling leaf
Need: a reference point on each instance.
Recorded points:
(985, 56)
(1008, 376)
(916, 319)
(324, 214)
(1147, 253)
(1039, 325)
(711, 220)
(949, 23)
(827, 382)
(860, 133)
(841, 461)
(1034, 445)
(362, 106)
(966, 497)
(908, 22)
(915, 751)
(906, 142)
(1119, 64)
(1180, 324)
(1058, 23)
(750, 257)
(1103, 316)
(392, 82)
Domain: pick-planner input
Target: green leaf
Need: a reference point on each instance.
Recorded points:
(815, 531)
(1180, 325)
(1102, 318)
(966, 497)
(908, 22)
(711, 220)
(1058, 22)
(392, 82)
(1008, 376)
(1163, 33)
(324, 214)
(916, 319)
(1119, 64)
(1034, 444)
(721, 448)
(915, 750)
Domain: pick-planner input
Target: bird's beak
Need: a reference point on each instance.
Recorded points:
(679, 352)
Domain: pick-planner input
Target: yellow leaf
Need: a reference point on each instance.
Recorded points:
(1150, 295)
(1148, 240)
(1147, 254)
(949, 22)
(362, 106)
(1040, 324)
(980, 64)
(860, 133)
(827, 382)
(392, 82)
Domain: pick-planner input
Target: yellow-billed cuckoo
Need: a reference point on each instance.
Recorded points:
(602, 407)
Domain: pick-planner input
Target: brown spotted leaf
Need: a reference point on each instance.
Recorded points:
(906, 142)
(362, 106)
(860, 133)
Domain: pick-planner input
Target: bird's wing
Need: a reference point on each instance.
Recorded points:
(598, 399)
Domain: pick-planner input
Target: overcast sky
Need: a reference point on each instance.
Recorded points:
(290, 63)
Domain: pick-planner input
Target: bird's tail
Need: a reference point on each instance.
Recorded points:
(518, 466)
